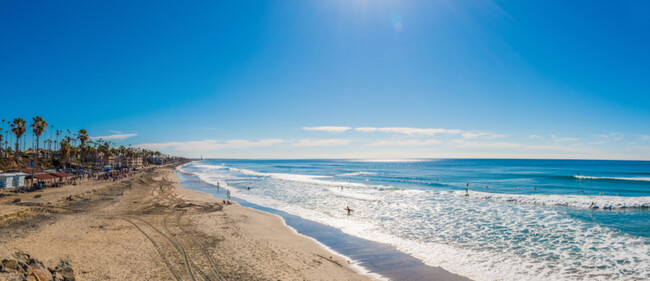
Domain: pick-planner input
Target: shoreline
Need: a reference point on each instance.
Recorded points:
(381, 261)
(236, 207)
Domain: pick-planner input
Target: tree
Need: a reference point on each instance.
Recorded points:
(18, 128)
(82, 136)
(38, 127)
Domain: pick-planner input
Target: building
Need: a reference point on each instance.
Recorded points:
(9, 180)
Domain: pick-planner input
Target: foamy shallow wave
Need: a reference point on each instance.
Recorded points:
(613, 178)
(310, 179)
(353, 194)
(575, 201)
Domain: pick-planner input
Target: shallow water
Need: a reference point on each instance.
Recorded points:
(564, 229)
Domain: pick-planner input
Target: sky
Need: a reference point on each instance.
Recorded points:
(336, 79)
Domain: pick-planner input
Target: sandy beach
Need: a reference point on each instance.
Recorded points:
(149, 228)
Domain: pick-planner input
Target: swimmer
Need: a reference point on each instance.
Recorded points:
(601, 193)
(534, 188)
(487, 186)
(582, 191)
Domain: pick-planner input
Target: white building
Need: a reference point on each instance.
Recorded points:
(8, 180)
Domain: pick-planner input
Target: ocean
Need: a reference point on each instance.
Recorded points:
(487, 219)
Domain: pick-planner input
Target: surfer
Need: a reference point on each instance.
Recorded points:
(347, 208)
(592, 205)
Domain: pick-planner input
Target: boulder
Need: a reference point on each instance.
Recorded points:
(10, 264)
(38, 274)
(64, 269)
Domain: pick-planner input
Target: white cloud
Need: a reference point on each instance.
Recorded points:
(321, 142)
(613, 136)
(116, 132)
(207, 145)
(406, 142)
(558, 139)
(330, 129)
(482, 135)
(407, 130)
(115, 137)
(534, 137)
(519, 146)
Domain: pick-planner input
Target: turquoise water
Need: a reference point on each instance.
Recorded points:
(522, 220)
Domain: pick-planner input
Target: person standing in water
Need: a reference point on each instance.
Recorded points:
(466, 192)
(228, 194)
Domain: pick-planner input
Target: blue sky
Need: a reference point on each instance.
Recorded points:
(266, 79)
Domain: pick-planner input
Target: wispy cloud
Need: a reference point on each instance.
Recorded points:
(321, 142)
(644, 137)
(406, 142)
(558, 139)
(114, 137)
(482, 135)
(534, 137)
(520, 146)
(330, 129)
(407, 130)
(116, 132)
(207, 145)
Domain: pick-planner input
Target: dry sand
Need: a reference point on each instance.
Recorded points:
(133, 230)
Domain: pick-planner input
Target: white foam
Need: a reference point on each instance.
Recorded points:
(575, 201)
(311, 179)
(613, 178)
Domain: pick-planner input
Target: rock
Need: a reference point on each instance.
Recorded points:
(65, 271)
(31, 278)
(10, 264)
(38, 275)
(57, 276)
(17, 200)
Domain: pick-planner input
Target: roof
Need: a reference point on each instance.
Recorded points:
(13, 174)
(45, 177)
(29, 171)
(61, 175)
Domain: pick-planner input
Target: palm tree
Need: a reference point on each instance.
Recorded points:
(82, 136)
(18, 128)
(38, 126)
(58, 133)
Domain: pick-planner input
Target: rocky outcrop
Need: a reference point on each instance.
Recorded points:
(23, 267)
